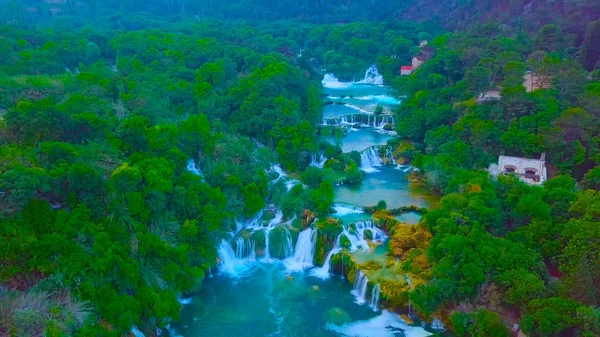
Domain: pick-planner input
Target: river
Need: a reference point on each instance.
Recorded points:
(267, 283)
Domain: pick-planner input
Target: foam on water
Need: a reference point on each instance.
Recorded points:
(332, 82)
(344, 209)
(385, 325)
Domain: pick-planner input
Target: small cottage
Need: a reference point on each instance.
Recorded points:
(406, 70)
(530, 171)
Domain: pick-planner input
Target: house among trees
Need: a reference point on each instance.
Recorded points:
(491, 95)
(417, 61)
(406, 70)
(530, 171)
(534, 81)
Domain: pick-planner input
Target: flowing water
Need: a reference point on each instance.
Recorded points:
(256, 294)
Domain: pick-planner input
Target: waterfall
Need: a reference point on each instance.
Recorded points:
(332, 82)
(291, 183)
(364, 225)
(267, 231)
(372, 76)
(288, 249)
(135, 331)
(317, 160)
(185, 301)
(279, 170)
(361, 282)
(365, 118)
(345, 209)
(226, 257)
(275, 221)
(192, 167)
(369, 159)
(437, 325)
(375, 297)
(305, 247)
(245, 251)
(323, 272)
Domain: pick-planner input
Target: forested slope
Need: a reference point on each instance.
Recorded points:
(102, 227)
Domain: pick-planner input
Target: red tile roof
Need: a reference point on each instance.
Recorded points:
(406, 68)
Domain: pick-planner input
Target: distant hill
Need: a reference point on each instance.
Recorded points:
(572, 16)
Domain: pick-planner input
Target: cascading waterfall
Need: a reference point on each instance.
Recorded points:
(323, 272)
(365, 120)
(345, 209)
(317, 160)
(437, 325)
(372, 76)
(369, 158)
(377, 234)
(275, 221)
(226, 257)
(288, 248)
(361, 282)
(305, 247)
(375, 297)
(192, 167)
(135, 331)
(243, 250)
(278, 170)
(330, 81)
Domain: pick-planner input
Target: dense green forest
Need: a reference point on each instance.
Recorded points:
(104, 103)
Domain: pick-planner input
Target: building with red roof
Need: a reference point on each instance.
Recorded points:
(406, 70)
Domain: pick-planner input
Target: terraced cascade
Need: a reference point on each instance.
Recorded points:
(334, 276)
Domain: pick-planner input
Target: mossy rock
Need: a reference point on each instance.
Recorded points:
(307, 218)
(330, 227)
(337, 316)
(357, 126)
(368, 234)
(342, 263)
(406, 238)
(371, 265)
(345, 242)
(278, 242)
(383, 218)
(351, 276)
(322, 249)
(395, 293)
(259, 238)
(388, 127)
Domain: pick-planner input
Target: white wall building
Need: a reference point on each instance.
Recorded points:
(531, 171)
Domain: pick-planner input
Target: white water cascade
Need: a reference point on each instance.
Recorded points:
(369, 159)
(288, 245)
(364, 119)
(135, 331)
(226, 258)
(361, 282)
(243, 250)
(192, 167)
(372, 76)
(305, 247)
(375, 297)
(330, 81)
(437, 325)
(345, 209)
(317, 160)
(323, 272)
